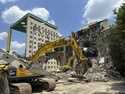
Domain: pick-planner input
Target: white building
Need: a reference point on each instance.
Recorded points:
(38, 32)
(51, 65)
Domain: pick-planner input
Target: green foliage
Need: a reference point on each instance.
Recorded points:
(117, 50)
(117, 41)
(120, 18)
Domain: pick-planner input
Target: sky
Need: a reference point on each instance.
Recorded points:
(68, 15)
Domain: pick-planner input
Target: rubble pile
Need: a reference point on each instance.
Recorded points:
(102, 72)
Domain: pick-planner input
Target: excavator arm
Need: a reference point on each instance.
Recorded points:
(50, 46)
(78, 52)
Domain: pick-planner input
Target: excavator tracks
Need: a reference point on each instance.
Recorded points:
(48, 84)
(20, 88)
(25, 85)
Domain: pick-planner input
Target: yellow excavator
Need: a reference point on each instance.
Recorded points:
(22, 79)
(82, 61)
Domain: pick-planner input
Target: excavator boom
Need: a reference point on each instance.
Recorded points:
(50, 46)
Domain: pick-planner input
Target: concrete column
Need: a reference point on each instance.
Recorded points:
(64, 58)
(9, 39)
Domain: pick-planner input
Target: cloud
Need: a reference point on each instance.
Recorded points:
(41, 12)
(6, 1)
(3, 35)
(100, 9)
(52, 22)
(17, 45)
(14, 13)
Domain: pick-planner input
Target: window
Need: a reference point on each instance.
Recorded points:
(29, 51)
(31, 23)
(38, 34)
(39, 45)
(39, 28)
(31, 41)
(34, 37)
(34, 27)
(31, 27)
(35, 33)
(34, 42)
(31, 32)
(42, 40)
(30, 46)
(45, 30)
(31, 37)
(39, 39)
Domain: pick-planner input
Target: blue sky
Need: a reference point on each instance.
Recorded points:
(68, 15)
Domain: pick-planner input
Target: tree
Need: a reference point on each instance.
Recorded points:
(120, 18)
(117, 50)
(117, 41)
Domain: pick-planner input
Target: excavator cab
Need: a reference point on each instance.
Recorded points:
(22, 72)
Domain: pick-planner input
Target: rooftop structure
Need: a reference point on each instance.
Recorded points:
(20, 25)
(37, 32)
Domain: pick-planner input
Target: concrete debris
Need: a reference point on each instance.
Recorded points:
(116, 87)
(73, 80)
(102, 72)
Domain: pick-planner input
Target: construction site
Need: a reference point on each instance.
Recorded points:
(81, 63)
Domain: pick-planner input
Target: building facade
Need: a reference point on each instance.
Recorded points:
(95, 36)
(38, 32)
(89, 34)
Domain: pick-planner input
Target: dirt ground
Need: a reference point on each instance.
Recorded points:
(112, 87)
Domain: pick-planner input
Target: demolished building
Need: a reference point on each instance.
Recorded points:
(95, 36)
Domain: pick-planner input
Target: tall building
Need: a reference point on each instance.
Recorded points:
(37, 32)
